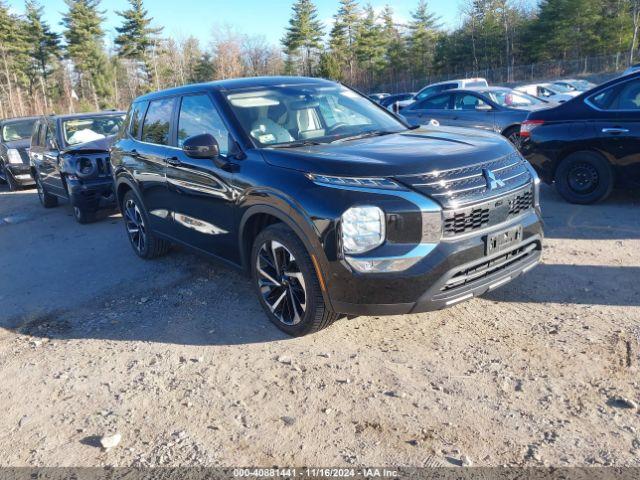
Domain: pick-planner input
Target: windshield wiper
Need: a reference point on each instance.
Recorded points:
(375, 133)
(299, 143)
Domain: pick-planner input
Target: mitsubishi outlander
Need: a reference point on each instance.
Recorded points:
(331, 203)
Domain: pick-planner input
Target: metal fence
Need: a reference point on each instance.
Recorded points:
(535, 72)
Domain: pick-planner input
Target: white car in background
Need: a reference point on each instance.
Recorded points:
(434, 88)
(549, 91)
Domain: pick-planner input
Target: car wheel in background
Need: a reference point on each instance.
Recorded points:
(144, 243)
(286, 282)
(584, 178)
(513, 135)
(3, 174)
(46, 199)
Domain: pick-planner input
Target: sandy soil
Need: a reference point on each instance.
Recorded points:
(177, 357)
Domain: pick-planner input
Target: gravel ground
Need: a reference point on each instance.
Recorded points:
(177, 358)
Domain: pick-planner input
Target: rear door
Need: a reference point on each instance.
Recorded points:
(471, 111)
(437, 108)
(149, 156)
(202, 195)
(618, 127)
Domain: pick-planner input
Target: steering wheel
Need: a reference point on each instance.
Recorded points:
(336, 127)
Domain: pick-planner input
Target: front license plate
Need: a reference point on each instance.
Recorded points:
(503, 240)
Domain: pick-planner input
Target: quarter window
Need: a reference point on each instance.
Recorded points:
(198, 115)
(157, 122)
(137, 111)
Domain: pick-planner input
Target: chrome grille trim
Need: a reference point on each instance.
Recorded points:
(462, 186)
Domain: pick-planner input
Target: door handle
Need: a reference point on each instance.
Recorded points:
(174, 161)
(615, 130)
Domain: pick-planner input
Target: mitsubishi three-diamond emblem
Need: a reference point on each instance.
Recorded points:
(492, 182)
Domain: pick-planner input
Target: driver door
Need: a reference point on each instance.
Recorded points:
(471, 111)
(202, 193)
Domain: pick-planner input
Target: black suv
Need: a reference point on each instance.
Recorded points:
(15, 135)
(334, 205)
(70, 160)
(591, 143)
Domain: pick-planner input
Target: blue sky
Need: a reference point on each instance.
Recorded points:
(256, 17)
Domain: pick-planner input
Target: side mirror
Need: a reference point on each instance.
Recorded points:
(202, 146)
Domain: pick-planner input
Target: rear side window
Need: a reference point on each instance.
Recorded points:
(157, 122)
(440, 102)
(137, 111)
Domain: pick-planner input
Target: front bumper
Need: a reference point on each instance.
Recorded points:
(454, 271)
(20, 173)
(92, 194)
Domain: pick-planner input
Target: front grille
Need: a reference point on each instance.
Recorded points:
(465, 276)
(487, 214)
(467, 185)
(104, 167)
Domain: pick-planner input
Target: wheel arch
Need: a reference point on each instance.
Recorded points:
(123, 184)
(570, 150)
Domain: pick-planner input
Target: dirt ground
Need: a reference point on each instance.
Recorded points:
(177, 357)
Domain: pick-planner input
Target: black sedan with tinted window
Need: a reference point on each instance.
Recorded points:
(497, 109)
(590, 144)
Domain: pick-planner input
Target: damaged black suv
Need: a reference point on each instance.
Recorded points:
(334, 205)
(69, 158)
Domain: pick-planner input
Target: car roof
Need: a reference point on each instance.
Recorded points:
(18, 119)
(238, 84)
(68, 116)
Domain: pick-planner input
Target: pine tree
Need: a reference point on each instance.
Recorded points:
(304, 34)
(342, 38)
(393, 42)
(84, 36)
(136, 35)
(369, 46)
(44, 49)
(14, 60)
(204, 69)
(423, 35)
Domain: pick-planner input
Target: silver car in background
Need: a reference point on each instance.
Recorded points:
(498, 109)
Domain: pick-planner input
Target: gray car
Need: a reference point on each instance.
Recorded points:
(498, 109)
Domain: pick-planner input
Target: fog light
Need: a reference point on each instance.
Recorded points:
(363, 229)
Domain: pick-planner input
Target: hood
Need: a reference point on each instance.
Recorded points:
(99, 145)
(416, 151)
(19, 144)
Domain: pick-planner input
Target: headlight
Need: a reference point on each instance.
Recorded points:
(14, 156)
(363, 229)
(362, 182)
(85, 167)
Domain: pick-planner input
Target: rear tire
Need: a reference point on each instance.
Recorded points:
(584, 178)
(46, 199)
(286, 282)
(145, 244)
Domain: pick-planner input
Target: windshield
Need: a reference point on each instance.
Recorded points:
(87, 129)
(476, 83)
(291, 115)
(17, 130)
(511, 98)
(559, 88)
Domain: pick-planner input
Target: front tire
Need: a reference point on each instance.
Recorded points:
(46, 199)
(584, 178)
(83, 215)
(144, 242)
(286, 282)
